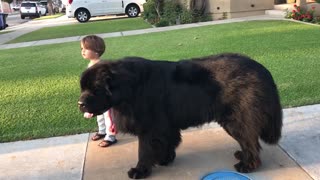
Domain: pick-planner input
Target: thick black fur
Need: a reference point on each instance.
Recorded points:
(155, 100)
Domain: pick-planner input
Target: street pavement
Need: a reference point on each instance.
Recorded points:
(202, 151)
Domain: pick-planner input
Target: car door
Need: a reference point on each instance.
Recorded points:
(41, 9)
(96, 7)
(113, 6)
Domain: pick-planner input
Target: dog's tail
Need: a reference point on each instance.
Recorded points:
(271, 133)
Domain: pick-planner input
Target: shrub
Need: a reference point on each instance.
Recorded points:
(316, 20)
(298, 14)
(150, 14)
(198, 16)
(186, 17)
(163, 22)
(170, 12)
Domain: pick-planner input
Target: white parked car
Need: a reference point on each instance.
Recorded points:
(83, 10)
(31, 9)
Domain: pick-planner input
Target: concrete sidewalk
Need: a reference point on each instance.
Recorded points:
(203, 150)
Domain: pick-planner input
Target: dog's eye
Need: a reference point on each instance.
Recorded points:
(81, 104)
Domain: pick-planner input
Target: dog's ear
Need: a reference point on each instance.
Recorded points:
(123, 79)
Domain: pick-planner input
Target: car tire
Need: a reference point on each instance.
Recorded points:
(132, 10)
(22, 17)
(82, 15)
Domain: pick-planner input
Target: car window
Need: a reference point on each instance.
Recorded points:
(28, 5)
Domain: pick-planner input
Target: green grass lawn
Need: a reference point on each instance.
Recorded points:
(40, 85)
(79, 29)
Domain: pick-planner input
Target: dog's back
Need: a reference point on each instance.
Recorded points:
(238, 93)
(227, 88)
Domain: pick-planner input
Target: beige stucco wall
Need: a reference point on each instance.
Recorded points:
(236, 8)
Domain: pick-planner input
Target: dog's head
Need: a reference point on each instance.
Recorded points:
(95, 91)
(104, 85)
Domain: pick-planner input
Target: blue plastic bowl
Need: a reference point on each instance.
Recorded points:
(225, 175)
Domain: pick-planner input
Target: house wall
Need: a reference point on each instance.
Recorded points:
(220, 9)
(238, 8)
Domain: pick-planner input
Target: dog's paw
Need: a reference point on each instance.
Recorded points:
(139, 173)
(247, 168)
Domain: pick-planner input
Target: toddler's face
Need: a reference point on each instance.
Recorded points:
(88, 54)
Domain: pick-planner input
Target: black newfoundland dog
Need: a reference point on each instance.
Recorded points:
(155, 100)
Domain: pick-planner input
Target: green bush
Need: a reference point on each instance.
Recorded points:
(170, 12)
(162, 23)
(198, 16)
(186, 17)
(150, 14)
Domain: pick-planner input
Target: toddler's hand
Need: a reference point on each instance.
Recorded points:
(87, 115)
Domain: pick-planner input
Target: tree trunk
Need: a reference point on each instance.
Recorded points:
(159, 6)
(50, 8)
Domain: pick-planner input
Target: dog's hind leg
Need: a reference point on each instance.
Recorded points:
(250, 147)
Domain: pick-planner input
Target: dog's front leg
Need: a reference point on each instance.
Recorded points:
(146, 159)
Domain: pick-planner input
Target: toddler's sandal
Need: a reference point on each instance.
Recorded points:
(106, 143)
(97, 136)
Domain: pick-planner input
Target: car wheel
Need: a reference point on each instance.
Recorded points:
(22, 17)
(82, 15)
(132, 10)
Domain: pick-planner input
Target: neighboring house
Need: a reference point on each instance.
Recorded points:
(222, 9)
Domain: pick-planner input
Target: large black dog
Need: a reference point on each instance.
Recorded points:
(155, 100)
